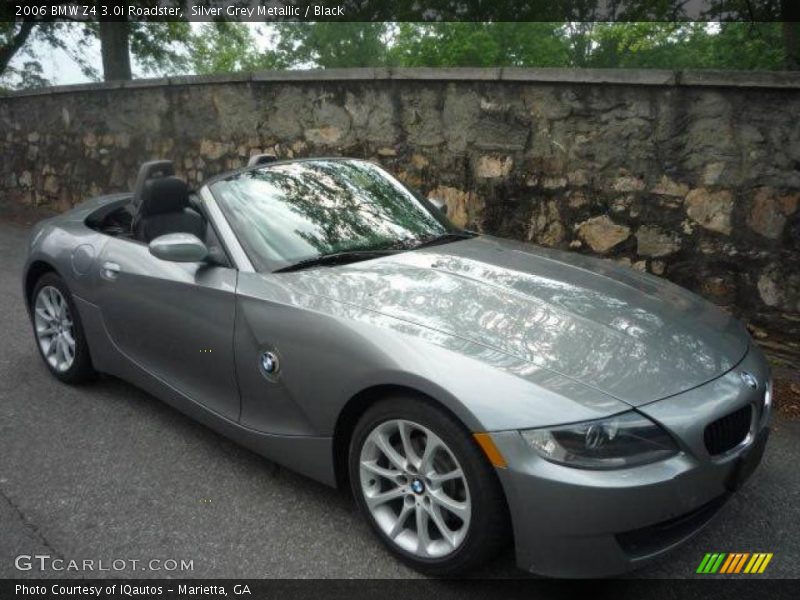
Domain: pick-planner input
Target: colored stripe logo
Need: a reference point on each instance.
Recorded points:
(734, 562)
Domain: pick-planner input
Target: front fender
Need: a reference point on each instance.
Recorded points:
(332, 351)
(486, 389)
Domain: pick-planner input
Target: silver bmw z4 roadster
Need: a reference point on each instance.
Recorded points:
(470, 390)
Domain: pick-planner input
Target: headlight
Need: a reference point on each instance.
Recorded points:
(620, 441)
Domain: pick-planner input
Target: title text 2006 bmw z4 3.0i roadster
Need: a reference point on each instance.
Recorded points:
(470, 390)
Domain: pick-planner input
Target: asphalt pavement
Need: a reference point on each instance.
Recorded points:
(108, 472)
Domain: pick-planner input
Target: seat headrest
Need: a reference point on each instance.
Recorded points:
(164, 195)
(149, 170)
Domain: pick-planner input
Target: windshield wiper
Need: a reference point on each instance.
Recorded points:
(446, 238)
(350, 256)
(337, 258)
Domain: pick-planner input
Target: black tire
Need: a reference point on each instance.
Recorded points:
(81, 370)
(489, 529)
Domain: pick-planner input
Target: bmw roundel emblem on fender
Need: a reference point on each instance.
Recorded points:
(749, 380)
(269, 363)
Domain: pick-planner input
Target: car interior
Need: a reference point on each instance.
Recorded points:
(160, 203)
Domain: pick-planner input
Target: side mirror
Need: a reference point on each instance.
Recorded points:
(179, 247)
(439, 203)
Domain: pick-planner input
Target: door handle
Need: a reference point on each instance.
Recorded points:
(110, 270)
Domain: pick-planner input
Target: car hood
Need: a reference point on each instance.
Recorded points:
(630, 335)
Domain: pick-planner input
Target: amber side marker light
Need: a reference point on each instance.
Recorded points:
(490, 450)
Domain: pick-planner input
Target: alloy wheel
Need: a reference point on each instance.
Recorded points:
(54, 328)
(415, 488)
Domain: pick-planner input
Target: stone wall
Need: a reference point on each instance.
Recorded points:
(693, 176)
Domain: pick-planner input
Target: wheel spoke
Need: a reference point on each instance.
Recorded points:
(423, 537)
(51, 346)
(401, 520)
(439, 478)
(438, 520)
(44, 296)
(383, 497)
(389, 452)
(54, 304)
(373, 467)
(68, 351)
(59, 351)
(59, 306)
(405, 438)
(432, 444)
(459, 509)
(69, 339)
(48, 307)
(42, 312)
(48, 329)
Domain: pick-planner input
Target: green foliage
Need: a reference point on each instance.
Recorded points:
(174, 47)
(228, 47)
(747, 46)
(223, 48)
(645, 45)
(158, 47)
(30, 76)
(478, 45)
(331, 45)
(666, 45)
(685, 46)
(23, 40)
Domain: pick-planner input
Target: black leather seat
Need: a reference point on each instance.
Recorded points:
(162, 206)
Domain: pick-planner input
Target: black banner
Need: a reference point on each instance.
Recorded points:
(266, 589)
(402, 10)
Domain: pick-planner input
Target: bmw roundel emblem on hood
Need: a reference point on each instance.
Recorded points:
(749, 380)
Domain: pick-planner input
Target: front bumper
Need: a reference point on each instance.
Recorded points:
(581, 523)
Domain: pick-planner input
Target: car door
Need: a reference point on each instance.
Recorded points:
(175, 320)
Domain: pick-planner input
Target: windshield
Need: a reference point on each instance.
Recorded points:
(286, 213)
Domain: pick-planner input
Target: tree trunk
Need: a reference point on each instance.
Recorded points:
(115, 49)
(790, 15)
(791, 46)
(8, 51)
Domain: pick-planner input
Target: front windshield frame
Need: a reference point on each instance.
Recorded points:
(265, 264)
